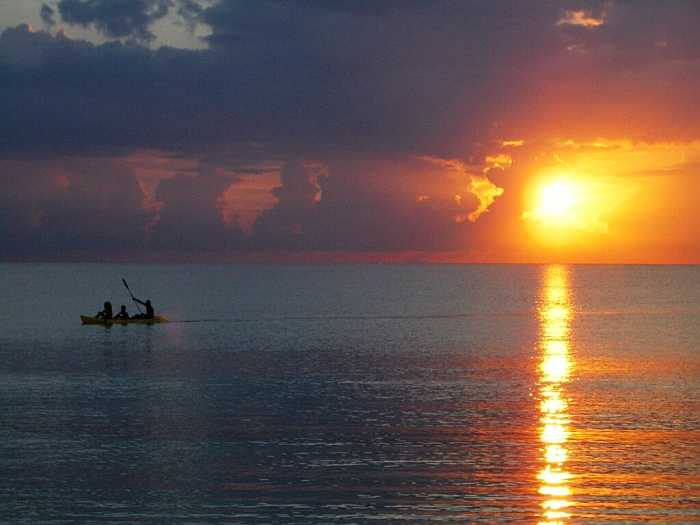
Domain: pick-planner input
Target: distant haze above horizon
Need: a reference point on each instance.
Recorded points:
(350, 130)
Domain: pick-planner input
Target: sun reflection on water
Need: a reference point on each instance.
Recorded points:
(554, 371)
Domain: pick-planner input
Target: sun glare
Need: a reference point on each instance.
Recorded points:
(564, 208)
(556, 199)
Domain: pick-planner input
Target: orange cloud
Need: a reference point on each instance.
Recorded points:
(480, 186)
(499, 161)
(484, 190)
(245, 200)
(581, 19)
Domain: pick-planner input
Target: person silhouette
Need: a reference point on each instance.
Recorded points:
(150, 313)
(123, 314)
(107, 312)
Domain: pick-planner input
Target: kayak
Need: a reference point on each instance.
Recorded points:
(87, 319)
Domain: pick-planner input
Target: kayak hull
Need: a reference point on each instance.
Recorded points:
(86, 319)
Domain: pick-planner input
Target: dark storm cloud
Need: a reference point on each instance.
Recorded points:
(352, 216)
(116, 18)
(417, 78)
(371, 7)
(47, 15)
(338, 80)
(637, 32)
(52, 207)
(65, 96)
(191, 217)
(366, 205)
(191, 12)
(277, 74)
(304, 77)
(286, 224)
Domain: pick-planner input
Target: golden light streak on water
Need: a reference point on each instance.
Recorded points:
(554, 372)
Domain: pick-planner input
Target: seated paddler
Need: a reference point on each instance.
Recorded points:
(123, 314)
(106, 313)
(150, 313)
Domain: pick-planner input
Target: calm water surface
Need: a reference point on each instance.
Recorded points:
(352, 394)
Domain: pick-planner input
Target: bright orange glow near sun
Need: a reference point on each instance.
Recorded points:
(556, 199)
(558, 202)
(565, 208)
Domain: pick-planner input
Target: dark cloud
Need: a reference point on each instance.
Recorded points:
(47, 15)
(635, 34)
(313, 78)
(191, 217)
(191, 11)
(366, 7)
(115, 18)
(368, 204)
(394, 204)
(52, 208)
(105, 212)
(66, 96)
(285, 225)
(127, 19)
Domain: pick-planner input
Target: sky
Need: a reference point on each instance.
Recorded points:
(350, 130)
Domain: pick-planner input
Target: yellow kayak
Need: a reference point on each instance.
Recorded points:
(87, 319)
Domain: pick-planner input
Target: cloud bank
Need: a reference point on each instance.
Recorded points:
(341, 101)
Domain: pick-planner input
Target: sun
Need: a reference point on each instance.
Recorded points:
(561, 209)
(556, 199)
(567, 208)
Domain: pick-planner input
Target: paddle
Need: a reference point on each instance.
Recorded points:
(132, 295)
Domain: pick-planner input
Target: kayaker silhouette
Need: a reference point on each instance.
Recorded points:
(123, 314)
(107, 312)
(150, 313)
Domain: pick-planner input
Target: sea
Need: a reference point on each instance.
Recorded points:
(351, 394)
